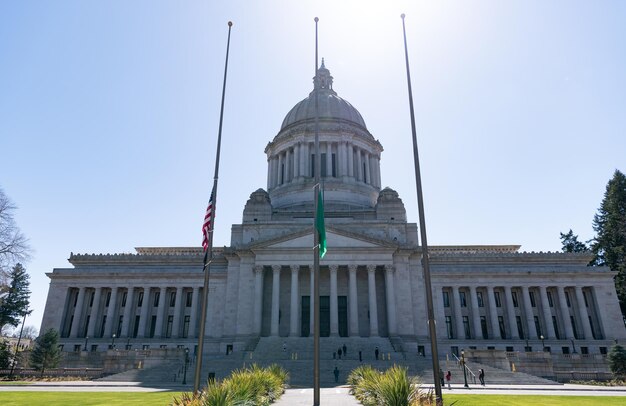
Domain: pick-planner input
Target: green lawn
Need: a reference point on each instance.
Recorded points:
(86, 398)
(548, 400)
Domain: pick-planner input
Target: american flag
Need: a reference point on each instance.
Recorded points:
(206, 225)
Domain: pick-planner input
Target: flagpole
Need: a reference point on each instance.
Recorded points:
(208, 253)
(425, 260)
(316, 243)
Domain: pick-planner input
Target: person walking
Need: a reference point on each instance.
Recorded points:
(360, 356)
(336, 372)
(339, 352)
(448, 379)
(481, 376)
(345, 350)
(376, 353)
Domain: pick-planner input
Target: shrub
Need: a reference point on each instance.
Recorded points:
(617, 360)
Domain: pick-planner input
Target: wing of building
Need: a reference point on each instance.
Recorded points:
(371, 280)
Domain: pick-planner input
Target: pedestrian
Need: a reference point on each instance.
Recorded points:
(441, 378)
(448, 379)
(339, 352)
(481, 376)
(336, 372)
(284, 346)
(345, 350)
(360, 356)
(376, 353)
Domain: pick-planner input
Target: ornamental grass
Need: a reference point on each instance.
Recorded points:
(393, 387)
(252, 386)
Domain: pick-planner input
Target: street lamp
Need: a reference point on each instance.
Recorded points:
(86, 339)
(464, 368)
(186, 363)
(573, 346)
(543, 346)
(113, 341)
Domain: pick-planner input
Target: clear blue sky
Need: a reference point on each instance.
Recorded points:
(109, 114)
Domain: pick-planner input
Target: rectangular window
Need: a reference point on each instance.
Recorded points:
(334, 165)
(565, 350)
(152, 326)
(550, 301)
(120, 322)
(479, 296)
(93, 295)
(603, 350)
(573, 321)
(514, 297)
(533, 303)
(282, 174)
(140, 299)
(585, 298)
(501, 326)
(584, 350)
(189, 299)
(86, 326)
(186, 327)
(323, 172)
(520, 327)
(170, 323)
(555, 324)
(136, 326)
(593, 330)
(449, 327)
(312, 165)
(496, 295)
(124, 297)
(104, 322)
(108, 299)
(77, 347)
(483, 327)
(172, 299)
(446, 299)
(462, 299)
(466, 327)
(538, 326)
(157, 296)
(567, 300)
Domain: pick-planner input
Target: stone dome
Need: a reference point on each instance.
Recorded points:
(330, 105)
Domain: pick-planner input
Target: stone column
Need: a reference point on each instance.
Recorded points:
(288, 166)
(329, 160)
(458, 313)
(391, 300)
(350, 153)
(193, 315)
(377, 166)
(296, 160)
(567, 323)
(353, 301)
(177, 312)
(275, 300)
(128, 312)
(143, 317)
(371, 287)
(258, 298)
(334, 310)
(493, 313)
(108, 326)
(95, 309)
(478, 332)
(510, 311)
(368, 172)
(158, 331)
(359, 165)
(280, 179)
(528, 310)
(295, 295)
(547, 314)
(312, 303)
(584, 315)
(78, 311)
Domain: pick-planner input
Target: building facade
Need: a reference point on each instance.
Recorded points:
(371, 279)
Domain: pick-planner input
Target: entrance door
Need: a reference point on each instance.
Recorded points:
(305, 316)
(342, 307)
(324, 316)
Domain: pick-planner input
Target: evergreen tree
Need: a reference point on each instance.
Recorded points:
(571, 244)
(617, 360)
(5, 355)
(609, 245)
(46, 353)
(15, 304)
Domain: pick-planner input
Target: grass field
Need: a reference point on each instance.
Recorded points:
(165, 398)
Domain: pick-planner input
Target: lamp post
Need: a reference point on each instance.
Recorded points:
(573, 346)
(86, 340)
(543, 346)
(113, 341)
(464, 371)
(186, 363)
(128, 344)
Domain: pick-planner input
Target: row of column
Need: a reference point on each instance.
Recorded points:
(353, 319)
(545, 313)
(80, 311)
(351, 161)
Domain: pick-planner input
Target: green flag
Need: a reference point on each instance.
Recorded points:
(319, 224)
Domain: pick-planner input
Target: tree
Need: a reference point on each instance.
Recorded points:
(571, 244)
(15, 304)
(13, 244)
(617, 360)
(609, 245)
(5, 355)
(46, 353)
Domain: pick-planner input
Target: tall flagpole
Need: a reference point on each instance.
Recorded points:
(425, 260)
(208, 253)
(316, 243)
